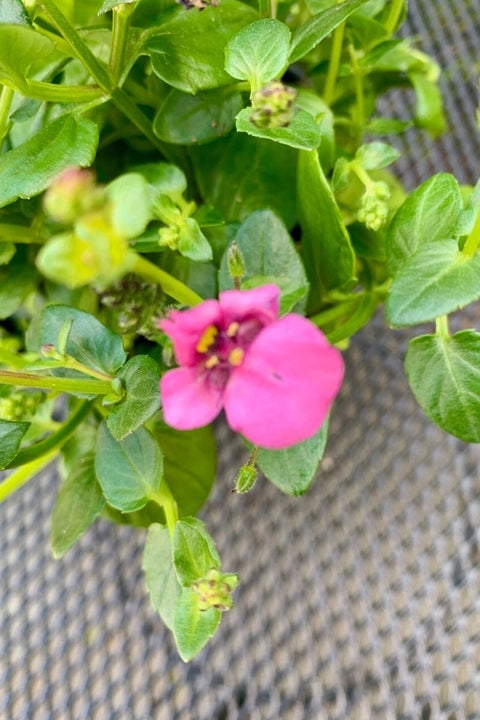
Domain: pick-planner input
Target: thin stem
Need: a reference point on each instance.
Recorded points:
(19, 234)
(12, 359)
(6, 98)
(50, 92)
(358, 82)
(70, 362)
(473, 240)
(264, 8)
(441, 326)
(24, 474)
(170, 285)
(167, 502)
(56, 439)
(88, 387)
(334, 64)
(392, 21)
(120, 28)
(362, 174)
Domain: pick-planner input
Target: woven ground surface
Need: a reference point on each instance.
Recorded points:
(360, 601)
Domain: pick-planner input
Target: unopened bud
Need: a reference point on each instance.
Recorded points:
(215, 590)
(373, 210)
(169, 237)
(273, 105)
(246, 478)
(199, 4)
(72, 193)
(49, 351)
(235, 262)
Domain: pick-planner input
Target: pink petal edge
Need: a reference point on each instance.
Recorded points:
(188, 402)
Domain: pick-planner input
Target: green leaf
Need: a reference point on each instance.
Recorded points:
(326, 248)
(194, 551)
(130, 470)
(162, 583)
(302, 132)
(259, 52)
(293, 469)
(110, 4)
(429, 113)
(376, 155)
(7, 251)
(267, 250)
(163, 179)
(12, 12)
(29, 168)
(78, 503)
(188, 51)
(89, 342)
(417, 221)
(444, 374)
(240, 174)
(11, 434)
(314, 105)
(131, 204)
(17, 281)
(22, 52)
(192, 243)
(140, 378)
(188, 119)
(190, 464)
(192, 628)
(438, 279)
(312, 32)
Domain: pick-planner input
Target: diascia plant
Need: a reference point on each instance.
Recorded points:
(196, 215)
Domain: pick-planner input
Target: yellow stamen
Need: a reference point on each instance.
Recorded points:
(212, 361)
(232, 329)
(207, 339)
(235, 356)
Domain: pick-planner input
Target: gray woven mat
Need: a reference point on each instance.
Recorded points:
(360, 601)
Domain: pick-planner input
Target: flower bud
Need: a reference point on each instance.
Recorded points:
(235, 262)
(21, 405)
(215, 589)
(373, 210)
(199, 4)
(272, 105)
(71, 194)
(246, 478)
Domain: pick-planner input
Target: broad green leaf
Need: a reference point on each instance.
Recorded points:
(79, 501)
(22, 52)
(17, 281)
(140, 378)
(193, 628)
(29, 168)
(130, 470)
(7, 251)
(387, 126)
(188, 51)
(192, 243)
(302, 132)
(466, 219)
(312, 32)
(11, 434)
(163, 179)
(162, 583)
(376, 155)
(194, 551)
(110, 4)
(130, 204)
(444, 374)
(293, 469)
(259, 52)
(190, 464)
(438, 279)
(12, 12)
(267, 250)
(417, 221)
(429, 113)
(240, 174)
(328, 255)
(310, 102)
(89, 342)
(188, 119)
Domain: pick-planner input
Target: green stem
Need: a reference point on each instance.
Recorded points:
(358, 82)
(12, 359)
(167, 502)
(334, 64)
(19, 234)
(441, 326)
(395, 11)
(265, 8)
(170, 285)
(88, 387)
(473, 240)
(120, 28)
(24, 474)
(362, 174)
(56, 439)
(50, 92)
(6, 98)
(70, 362)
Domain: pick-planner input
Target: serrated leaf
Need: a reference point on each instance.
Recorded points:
(259, 52)
(302, 132)
(78, 503)
(194, 551)
(162, 583)
(128, 470)
(12, 12)
(11, 434)
(192, 628)
(444, 374)
(140, 378)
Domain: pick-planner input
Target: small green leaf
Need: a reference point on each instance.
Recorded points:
(110, 4)
(188, 119)
(140, 378)
(89, 342)
(131, 205)
(11, 434)
(438, 279)
(12, 12)
(259, 52)
(7, 251)
(194, 551)
(25, 171)
(193, 628)
(429, 113)
(22, 51)
(78, 503)
(162, 583)
(293, 469)
(444, 374)
(192, 243)
(376, 155)
(302, 132)
(163, 179)
(312, 32)
(417, 221)
(17, 281)
(129, 471)
(326, 247)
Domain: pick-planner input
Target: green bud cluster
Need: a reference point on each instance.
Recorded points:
(21, 405)
(373, 211)
(215, 589)
(135, 305)
(73, 193)
(273, 105)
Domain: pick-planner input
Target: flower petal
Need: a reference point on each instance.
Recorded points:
(282, 392)
(186, 327)
(260, 303)
(188, 401)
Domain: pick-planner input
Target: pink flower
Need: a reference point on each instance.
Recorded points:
(275, 377)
